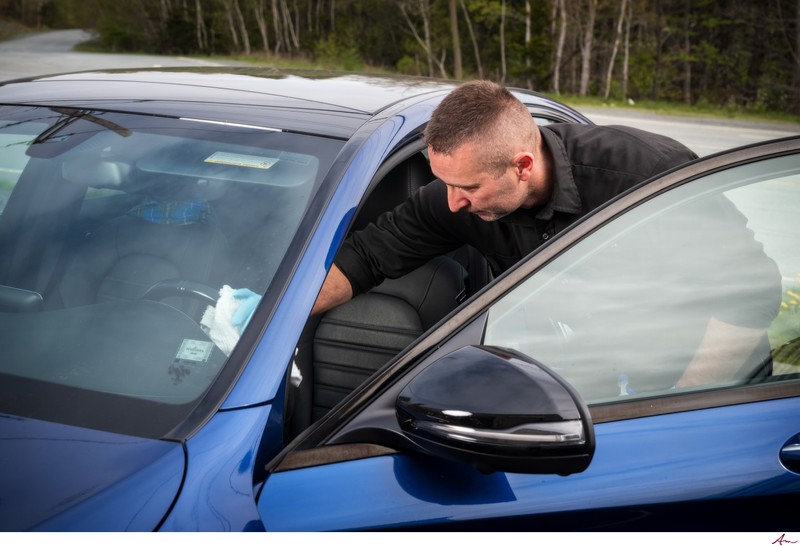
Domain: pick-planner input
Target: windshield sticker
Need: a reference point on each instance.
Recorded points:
(195, 350)
(297, 159)
(242, 160)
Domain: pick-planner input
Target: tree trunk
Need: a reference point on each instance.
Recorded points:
(475, 48)
(562, 36)
(292, 36)
(797, 61)
(261, 21)
(659, 46)
(528, 42)
(627, 50)
(276, 23)
(231, 26)
(200, 27)
(242, 27)
(458, 69)
(503, 41)
(615, 48)
(425, 43)
(687, 61)
(586, 48)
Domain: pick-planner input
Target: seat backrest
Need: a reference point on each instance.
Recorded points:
(355, 339)
(397, 186)
(155, 241)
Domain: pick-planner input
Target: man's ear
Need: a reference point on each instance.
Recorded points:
(524, 162)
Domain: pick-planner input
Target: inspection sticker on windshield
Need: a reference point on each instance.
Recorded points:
(242, 160)
(195, 350)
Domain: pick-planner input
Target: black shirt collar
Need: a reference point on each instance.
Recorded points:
(565, 196)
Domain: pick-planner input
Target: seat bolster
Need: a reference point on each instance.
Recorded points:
(433, 289)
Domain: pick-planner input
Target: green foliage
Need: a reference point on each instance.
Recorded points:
(114, 36)
(339, 51)
(784, 334)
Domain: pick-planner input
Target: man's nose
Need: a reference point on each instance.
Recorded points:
(455, 199)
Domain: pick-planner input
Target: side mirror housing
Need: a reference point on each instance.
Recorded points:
(498, 410)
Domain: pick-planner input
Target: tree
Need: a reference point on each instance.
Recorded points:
(617, 36)
(473, 39)
(586, 47)
(560, 13)
(458, 69)
(724, 52)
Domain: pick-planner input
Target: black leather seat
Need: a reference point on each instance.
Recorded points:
(348, 343)
(355, 339)
(122, 259)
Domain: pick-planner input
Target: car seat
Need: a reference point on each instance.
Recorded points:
(347, 344)
(169, 234)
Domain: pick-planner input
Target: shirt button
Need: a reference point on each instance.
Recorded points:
(545, 236)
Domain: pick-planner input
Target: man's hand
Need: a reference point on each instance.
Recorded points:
(335, 291)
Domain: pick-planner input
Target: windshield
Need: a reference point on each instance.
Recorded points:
(127, 244)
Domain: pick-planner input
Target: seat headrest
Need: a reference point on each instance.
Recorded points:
(397, 186)
(433, 289)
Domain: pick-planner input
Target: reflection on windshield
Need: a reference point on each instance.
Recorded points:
(134, 251)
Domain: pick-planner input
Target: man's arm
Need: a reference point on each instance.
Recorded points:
(336, 290)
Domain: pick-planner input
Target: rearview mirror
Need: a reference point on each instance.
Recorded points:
(498, 410)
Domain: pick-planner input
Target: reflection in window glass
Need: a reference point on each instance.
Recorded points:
(704, 273)
(15, 137)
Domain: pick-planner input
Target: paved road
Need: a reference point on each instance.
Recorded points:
(51, 52)
(703, 135)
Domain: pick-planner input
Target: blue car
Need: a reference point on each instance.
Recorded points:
(164, 235)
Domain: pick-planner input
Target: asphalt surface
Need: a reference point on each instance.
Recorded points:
(52, 53)
(46, 53)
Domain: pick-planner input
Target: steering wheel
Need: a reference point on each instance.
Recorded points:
(182, 289)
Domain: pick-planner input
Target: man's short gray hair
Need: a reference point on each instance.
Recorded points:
(484, 112)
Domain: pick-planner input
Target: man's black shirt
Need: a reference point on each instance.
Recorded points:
(591, 165)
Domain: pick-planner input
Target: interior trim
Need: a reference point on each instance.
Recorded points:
(680, 402)
(331, 454)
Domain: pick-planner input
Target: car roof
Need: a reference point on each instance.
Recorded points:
(319, 102)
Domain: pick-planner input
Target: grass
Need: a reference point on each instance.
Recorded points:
(9, 29)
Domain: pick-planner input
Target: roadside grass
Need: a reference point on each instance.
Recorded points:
(10, 29)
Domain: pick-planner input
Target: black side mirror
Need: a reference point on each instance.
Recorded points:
(498, 410)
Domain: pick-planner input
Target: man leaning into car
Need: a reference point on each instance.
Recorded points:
(505, 186)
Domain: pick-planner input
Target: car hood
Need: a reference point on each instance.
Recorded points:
(62, 478)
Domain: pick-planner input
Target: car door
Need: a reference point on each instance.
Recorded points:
(672, 314)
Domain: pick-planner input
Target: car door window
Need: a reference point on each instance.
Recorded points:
(698, 287)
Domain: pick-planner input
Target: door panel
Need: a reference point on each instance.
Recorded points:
(647, 474)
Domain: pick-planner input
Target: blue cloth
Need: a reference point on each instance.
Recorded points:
(173, 212)
(243, 314)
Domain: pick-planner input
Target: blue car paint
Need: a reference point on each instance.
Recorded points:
(70, 478)
(637, 462)
(218, 491)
